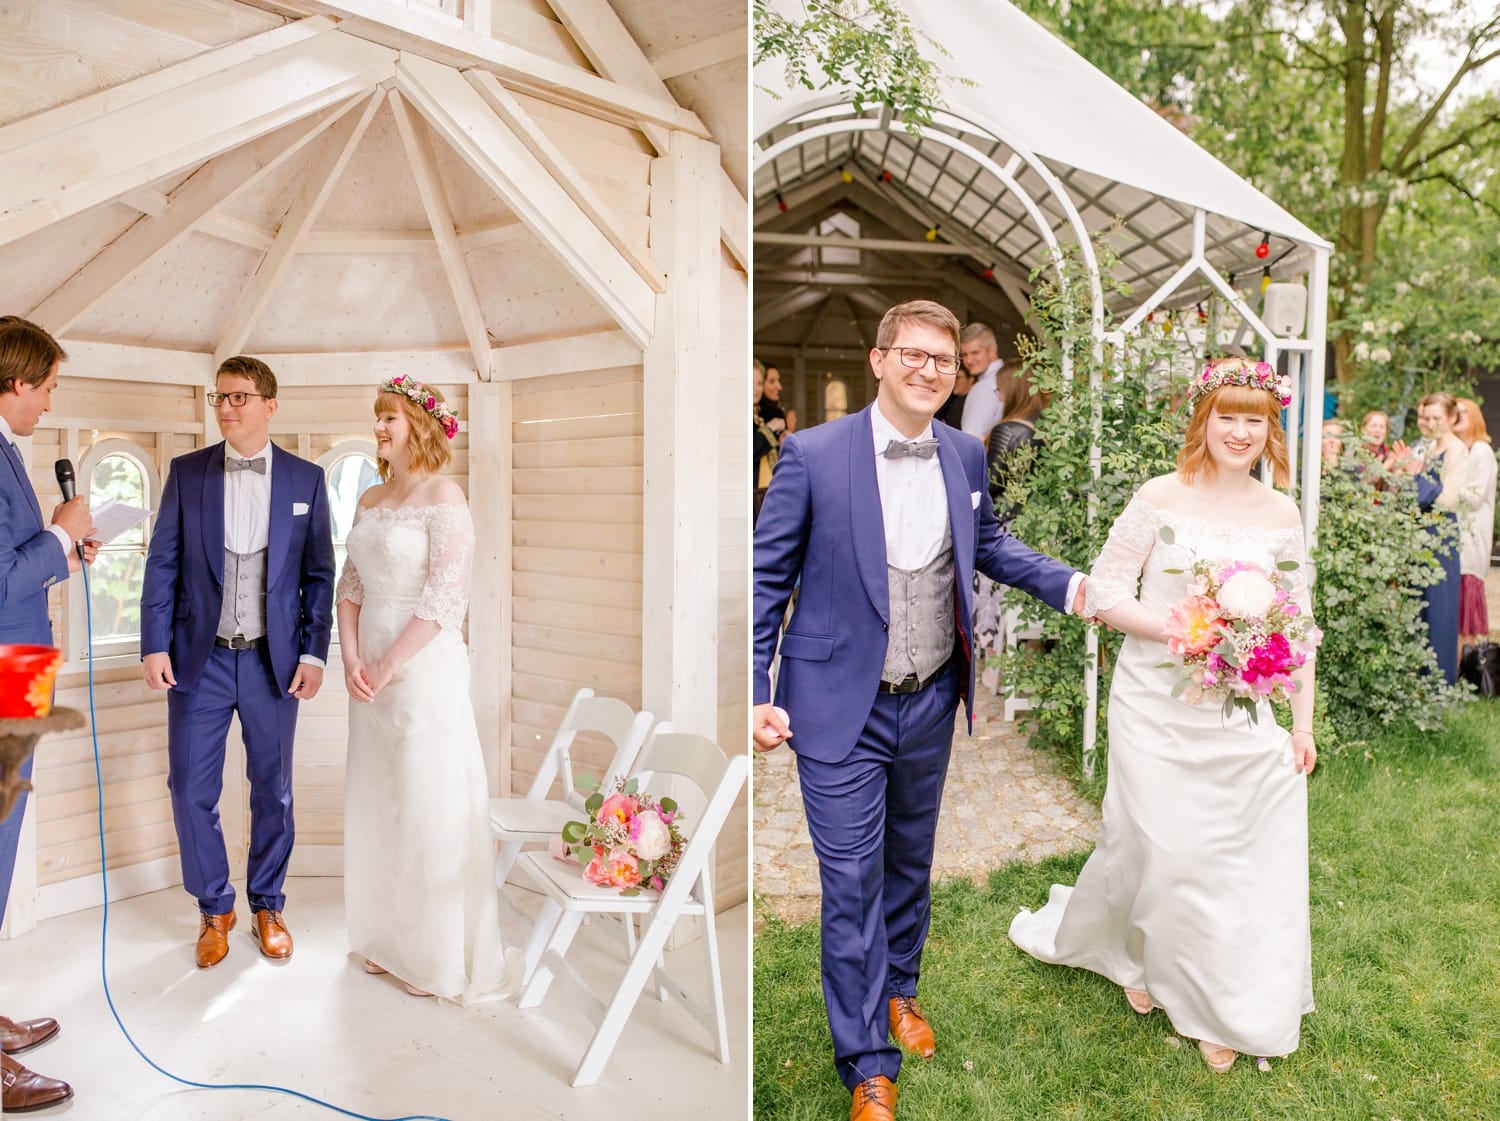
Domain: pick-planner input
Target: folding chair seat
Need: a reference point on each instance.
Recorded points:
(569, 899)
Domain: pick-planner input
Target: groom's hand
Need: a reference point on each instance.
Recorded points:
(306, 681)
(157, 669)
(770, 727)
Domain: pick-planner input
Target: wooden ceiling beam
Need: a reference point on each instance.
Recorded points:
(64, 160)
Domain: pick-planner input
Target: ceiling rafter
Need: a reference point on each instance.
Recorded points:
(424, 170)
(213, 185)
(296, 224)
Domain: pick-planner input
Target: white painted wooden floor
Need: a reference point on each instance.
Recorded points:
(321, 1025)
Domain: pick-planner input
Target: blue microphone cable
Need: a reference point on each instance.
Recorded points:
(104, 933)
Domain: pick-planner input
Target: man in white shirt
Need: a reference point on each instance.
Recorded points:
(882, 517)
(236, 615)
(981, 357)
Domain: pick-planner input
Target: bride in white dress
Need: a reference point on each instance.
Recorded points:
(419, 888)
(1195, 899)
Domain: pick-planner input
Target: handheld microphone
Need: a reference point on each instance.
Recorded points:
(66, 483)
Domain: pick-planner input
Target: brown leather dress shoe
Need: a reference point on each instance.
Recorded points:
(213, 938)
(23, 1090)
(16, 1037)
(910, 1028)
(274, 938)
(874, 1100)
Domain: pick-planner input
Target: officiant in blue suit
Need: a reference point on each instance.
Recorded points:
(236, 616)
(33, 556)
(883, 517)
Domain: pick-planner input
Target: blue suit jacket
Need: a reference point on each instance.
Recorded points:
(31, 559)
(821, 522)
(184, 585)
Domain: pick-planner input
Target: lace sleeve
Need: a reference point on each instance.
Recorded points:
(350, 586)
(1294, 548)
(450, 551)
(1116, 575)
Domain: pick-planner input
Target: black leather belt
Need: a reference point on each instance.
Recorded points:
(911, 683)
(240, 642)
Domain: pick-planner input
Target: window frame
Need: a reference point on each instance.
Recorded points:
(115, 652)
(344, 449)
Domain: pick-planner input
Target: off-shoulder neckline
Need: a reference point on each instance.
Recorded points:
(423, 506)
(1178, 515)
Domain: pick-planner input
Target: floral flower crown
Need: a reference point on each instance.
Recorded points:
(413, 390)
(1241, 371)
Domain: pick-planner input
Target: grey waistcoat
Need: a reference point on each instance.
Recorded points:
(922, 619)
(244, 608)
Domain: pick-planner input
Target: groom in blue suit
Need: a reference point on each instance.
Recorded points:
(883, 518)
(236, 615)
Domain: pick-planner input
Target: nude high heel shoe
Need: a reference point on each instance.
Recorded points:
(1219, 1059)
(1140, 1002)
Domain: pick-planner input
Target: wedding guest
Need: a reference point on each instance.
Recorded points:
(33, 557)
(1333, 443)
(1021, 407)
(236, 618)
(952, 410)
(419, 888)
(1441, 471)
(981, 358)
(766, 438)
(1375, 430)
(780, 419)
(1477, 520)
(1195, 899)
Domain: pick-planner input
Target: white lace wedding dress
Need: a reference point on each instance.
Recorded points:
(419, 885)
(1197, 890)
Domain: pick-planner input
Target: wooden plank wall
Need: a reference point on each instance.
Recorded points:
(576, 583)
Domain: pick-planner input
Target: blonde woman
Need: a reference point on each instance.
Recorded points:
(419, 890)
(1477, 522)
(1195, 899)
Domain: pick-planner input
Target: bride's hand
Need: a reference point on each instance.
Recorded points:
(355, 680)
(1304, 754)
(377, 676)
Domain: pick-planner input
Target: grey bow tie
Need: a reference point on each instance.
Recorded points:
(258, 465)
(922, 449)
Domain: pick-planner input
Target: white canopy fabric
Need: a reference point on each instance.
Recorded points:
(1034, 90)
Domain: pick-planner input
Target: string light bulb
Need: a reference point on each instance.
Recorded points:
(780, 202)
(885, 175)
(845, 175)
(1265, 280)
(1263, 250)
(931, 234)
(989, 272)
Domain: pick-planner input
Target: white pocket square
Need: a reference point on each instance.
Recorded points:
(974, 499)
(300, 508)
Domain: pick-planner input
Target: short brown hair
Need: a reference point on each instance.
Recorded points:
(1194, 459)
(1445, 401)
(916, 311)
(243, 366)
(27, 353)
(427, 450)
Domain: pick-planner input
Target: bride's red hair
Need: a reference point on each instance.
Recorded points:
(1194, 459)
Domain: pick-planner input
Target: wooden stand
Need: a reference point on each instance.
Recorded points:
(18, 739)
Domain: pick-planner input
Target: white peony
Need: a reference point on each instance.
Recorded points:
(1247, 595)
(652, 838)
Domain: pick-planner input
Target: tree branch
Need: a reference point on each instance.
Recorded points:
(1452, 181)
(1457, 142)
(1469, 64)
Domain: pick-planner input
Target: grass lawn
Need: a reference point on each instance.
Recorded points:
(1405, 834)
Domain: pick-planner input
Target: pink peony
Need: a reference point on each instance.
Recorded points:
(1193, 626)
(618, 809)
(1271, 659)
(616, 868)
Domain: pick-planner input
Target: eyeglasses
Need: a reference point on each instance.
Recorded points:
(914, 358)
(236, 399)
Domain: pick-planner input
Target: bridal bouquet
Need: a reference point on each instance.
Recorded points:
(1238, 635)
(630, 841)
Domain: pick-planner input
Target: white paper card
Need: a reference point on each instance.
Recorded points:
(113, 518)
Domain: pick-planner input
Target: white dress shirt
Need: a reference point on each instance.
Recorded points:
(247, 503)
(913, 499)
(8, 435)
(247, 513)
(982, 406)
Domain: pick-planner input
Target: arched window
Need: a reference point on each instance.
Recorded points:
(119, 470)
(350, 470)
(835, 399)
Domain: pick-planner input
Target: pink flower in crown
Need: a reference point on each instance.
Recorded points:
(398, 379)
(1264, 370)
(428, 402)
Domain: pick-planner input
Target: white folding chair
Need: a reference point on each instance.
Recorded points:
(515, 821)
(570, 898)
